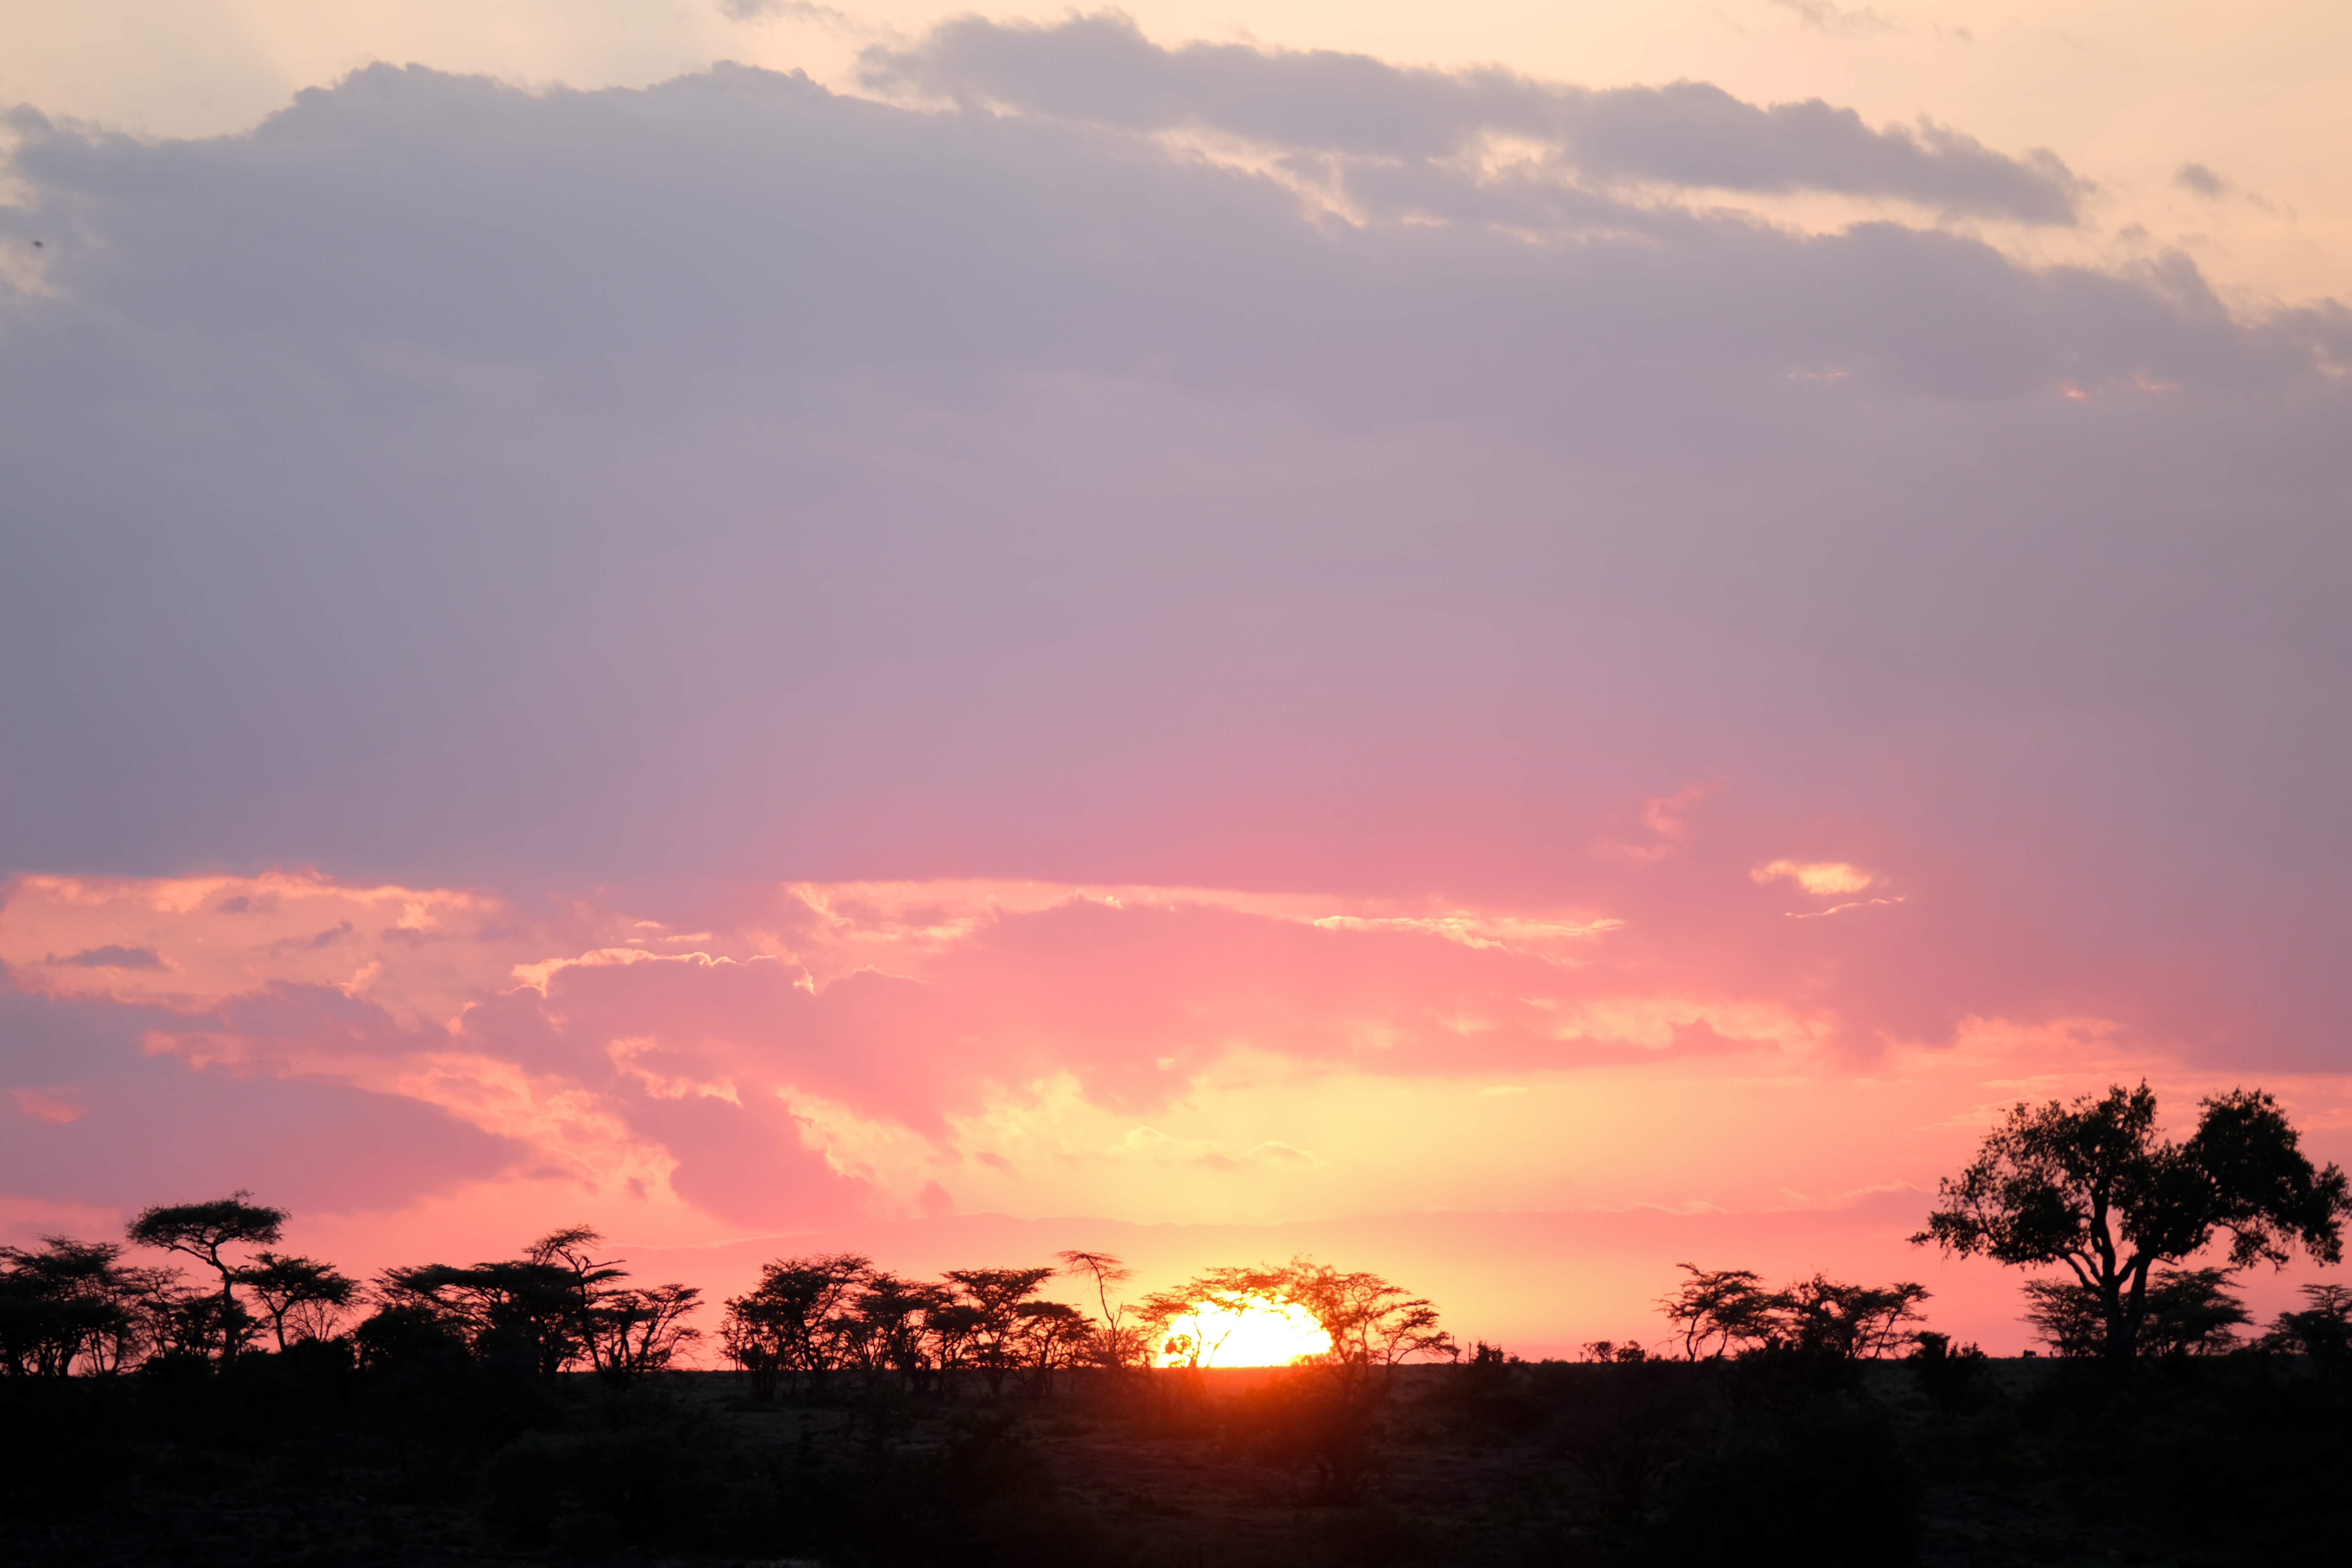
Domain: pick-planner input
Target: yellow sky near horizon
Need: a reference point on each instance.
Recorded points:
(2126, 94)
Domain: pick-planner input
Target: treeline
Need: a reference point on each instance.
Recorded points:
(2090, 1189)
(70, 1306)
(149, 1411)
(875, 1418)
(1729, 1313)
(811, 1318)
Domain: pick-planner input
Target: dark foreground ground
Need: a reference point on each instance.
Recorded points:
(300, 1459)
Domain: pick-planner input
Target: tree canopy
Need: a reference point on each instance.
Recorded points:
(1724, 1311)
(297, 1288)
(2093, 1187)
(200, 1231)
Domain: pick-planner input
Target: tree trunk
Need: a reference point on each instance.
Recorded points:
(2125, 1312)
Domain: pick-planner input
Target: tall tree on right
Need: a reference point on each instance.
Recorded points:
(2093, 1187)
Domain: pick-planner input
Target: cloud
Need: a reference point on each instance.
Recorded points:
(1821, 877)
(812, 640)
(190, 944)
(111, 956)
(936, 495)
(43, 1106)
(1145, 1054)
(794, 10)
(111, 1116)
(1823, 16)
(2198, 180)
(1101, 69)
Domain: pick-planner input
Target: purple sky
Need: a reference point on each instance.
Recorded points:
(1240, 584)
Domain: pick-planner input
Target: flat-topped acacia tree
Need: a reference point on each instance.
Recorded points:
(200, 1230)
(2092, 1186)
(287, 1286)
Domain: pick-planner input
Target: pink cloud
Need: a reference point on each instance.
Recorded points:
(817, 1058)
(44, 1106)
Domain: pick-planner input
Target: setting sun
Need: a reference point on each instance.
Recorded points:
(1261, 1332)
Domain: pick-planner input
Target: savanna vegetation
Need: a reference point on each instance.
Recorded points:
(237, 1404)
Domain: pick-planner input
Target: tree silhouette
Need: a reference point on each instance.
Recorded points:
(1724, 1308)
(1047, 1335)
(1373, 1324)
(790, 1321)
(66, 1305)
(285, 1286)
(995, 1297)
(2190, 1312)
(2322, 1331)
(1221, 1289)
(1729, 1309)
(634, 1332)
(200, 1230)
(2091, 1186)
(538, 1309)
(1848, 1322)
(897, 1323)
(1119, 1344)
(952, 1330)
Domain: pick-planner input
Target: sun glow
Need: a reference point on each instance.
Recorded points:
(1255, 1331)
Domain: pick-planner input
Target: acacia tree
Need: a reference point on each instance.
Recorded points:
(1047, 1335)
(200, 1231)
(899, 1325)
(285, 1286)
(70, 1303)
(788, 1322)
(1822, 1317)
(2092, 1187)
(1724, 1308)
(539, 1307)
(996, 1296)
(1729, 1309)
(1119, 1344)
(2322, 1331)
(1225, 1289)
(634, 1332)
(1373, 1324)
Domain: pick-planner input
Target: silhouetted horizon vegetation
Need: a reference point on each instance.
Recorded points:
(254, 1405)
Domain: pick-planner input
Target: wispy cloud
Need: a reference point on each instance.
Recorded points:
(1852, 22)
(1436, 124)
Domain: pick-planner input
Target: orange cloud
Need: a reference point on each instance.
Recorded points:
(1821, 877)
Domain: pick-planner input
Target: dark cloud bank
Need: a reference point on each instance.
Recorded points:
(731, 479)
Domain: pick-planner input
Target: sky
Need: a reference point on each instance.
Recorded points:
(1511, 645)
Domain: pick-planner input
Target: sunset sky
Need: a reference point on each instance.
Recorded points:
(1508, 644)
